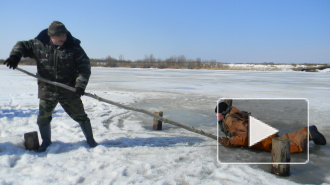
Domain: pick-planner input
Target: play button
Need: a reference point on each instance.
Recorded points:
(259, 130)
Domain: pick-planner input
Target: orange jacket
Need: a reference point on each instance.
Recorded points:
(237, 125)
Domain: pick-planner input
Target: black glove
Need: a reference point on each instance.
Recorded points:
(12, 62)
(80, 91)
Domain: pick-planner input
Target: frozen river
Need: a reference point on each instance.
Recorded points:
(130, 152)
(177, 92)
(190, 96)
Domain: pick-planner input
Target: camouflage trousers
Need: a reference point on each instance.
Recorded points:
(73, 107)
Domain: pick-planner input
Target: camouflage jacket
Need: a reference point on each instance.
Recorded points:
(67, 64)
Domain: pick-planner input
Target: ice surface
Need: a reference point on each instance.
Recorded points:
(129, 151)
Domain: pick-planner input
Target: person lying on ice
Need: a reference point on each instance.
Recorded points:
(234, 124)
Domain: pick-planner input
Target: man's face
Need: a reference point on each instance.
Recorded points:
(58, 40)
(220, 116)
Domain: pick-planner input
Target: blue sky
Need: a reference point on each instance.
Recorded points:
(279, 31)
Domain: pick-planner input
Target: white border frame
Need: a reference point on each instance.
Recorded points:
(218, 144)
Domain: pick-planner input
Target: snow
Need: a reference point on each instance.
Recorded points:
(327, 70)
(129, 151)
(271, 67)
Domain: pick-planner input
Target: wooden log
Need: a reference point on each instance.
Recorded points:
(157, 125)
(31, 141)
(281, 154)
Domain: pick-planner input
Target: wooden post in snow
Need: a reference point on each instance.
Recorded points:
(157, 125)
(31, 141)
(281, 154)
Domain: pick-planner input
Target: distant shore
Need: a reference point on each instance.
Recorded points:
(192, 64)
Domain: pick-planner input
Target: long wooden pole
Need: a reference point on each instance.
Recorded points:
(192, 129)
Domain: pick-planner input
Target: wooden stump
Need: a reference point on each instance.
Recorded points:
(281, 154)
(31, 141)
(157, 125)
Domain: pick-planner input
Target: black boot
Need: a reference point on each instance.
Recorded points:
(45, 133)
(317, 137)
(87, 130)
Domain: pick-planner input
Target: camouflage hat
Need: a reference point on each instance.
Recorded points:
(57, 28)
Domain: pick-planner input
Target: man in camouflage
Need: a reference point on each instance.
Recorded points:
(60, 58)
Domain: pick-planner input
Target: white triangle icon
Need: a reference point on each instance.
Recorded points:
(259, 131)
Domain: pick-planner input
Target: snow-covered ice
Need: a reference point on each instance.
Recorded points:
(129, 151)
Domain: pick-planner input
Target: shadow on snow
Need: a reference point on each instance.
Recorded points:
(59, 147)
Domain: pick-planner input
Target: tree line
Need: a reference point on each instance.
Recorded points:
(179, 62)
(174, 62)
